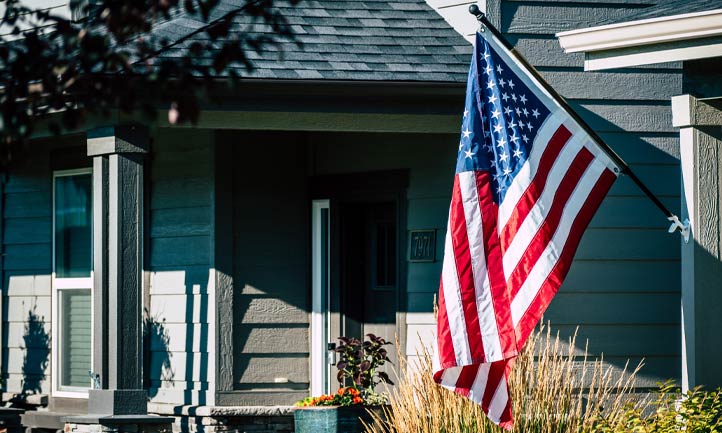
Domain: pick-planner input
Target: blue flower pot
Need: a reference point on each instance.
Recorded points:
(333, 419)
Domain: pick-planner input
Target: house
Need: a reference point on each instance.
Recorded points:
(308, 205)
(689, 33)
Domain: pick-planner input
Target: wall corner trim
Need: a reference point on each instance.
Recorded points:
(688, 110)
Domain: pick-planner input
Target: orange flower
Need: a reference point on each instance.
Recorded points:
(341, 391)
(357, 400)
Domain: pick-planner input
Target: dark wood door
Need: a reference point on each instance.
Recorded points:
(369, 269)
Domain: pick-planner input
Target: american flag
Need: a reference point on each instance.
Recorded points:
(528, 180)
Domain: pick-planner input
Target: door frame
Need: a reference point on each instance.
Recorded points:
(320, 279)
(332, 191)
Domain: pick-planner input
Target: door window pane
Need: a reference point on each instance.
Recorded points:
(75, 342)
(73, 229)
(385, 255)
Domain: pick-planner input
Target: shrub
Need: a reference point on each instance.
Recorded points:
(696, 411)
(360, 362)
(358, 374)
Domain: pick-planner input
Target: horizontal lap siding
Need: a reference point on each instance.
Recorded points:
(271, 267)
(26, 271)
(623, 289)
(181, 297)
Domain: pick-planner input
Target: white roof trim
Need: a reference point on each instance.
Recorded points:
(643, 32)
(600, 60)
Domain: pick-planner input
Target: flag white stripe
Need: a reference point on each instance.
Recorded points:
(482, 287)
(453, 302)
(450, 376)
(549, 257)
(528, 170)
(540, 210)
(476, 393)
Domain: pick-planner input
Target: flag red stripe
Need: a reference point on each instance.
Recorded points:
(549, 226)
(447, 356)
(496, 375)
(536, 187)
(465, 271)
(494, 263)
(466, 379)
(554, 280)
(507, 420)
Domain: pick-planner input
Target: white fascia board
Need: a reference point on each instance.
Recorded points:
(643, 32)
(601, 60)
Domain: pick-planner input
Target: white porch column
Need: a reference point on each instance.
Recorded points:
(701, 160)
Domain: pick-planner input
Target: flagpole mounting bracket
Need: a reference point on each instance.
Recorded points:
(683, 227)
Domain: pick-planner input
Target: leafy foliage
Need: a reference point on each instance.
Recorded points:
(696, 411)
(358, 367)
(359, 362)
(111, 59)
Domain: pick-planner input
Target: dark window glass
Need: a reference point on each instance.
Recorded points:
(385, 255)
(73, 226)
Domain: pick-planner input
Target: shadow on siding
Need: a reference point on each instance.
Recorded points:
(37, 352)
(156, 338)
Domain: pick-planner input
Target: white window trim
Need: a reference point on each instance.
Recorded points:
(58, 284)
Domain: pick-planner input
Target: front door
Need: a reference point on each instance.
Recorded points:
(356, 275)
(368, 267)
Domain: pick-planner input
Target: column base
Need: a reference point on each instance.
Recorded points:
(117, 402)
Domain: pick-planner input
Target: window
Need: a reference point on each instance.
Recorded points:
(385, 269)
(72, 281)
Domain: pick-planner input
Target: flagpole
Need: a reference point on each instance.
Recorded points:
(623, 166)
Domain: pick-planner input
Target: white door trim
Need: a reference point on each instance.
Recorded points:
(320, 276)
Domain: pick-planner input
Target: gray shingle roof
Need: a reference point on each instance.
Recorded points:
(672, 7)
(370, 40)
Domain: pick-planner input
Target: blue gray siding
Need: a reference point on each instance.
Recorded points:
(271, 267)
(181, 282)
(26, 273)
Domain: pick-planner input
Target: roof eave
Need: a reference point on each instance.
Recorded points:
(655, 40)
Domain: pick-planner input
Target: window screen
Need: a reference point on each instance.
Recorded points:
(75, 344)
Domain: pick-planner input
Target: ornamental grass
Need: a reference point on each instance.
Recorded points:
(553, 390)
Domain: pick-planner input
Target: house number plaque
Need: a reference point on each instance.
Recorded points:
(422, 246)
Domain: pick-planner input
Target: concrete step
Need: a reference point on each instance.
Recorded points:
(36, 419)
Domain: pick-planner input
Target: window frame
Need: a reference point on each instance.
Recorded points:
(62, 284)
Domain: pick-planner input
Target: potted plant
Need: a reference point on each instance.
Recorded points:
(358, 374)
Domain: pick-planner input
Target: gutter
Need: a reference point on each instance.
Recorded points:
(643, 32)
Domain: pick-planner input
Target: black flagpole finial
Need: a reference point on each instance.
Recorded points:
(474, 10)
